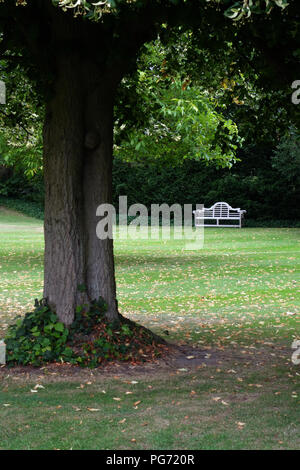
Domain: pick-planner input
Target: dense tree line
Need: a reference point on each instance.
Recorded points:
(265, 183)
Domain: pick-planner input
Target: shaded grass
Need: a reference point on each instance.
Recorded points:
(207, 410)
(238, 296)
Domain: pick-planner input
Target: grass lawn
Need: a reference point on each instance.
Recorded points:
(237, 300)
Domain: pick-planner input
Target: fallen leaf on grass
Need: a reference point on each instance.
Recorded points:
(224, 403)
(240, 424)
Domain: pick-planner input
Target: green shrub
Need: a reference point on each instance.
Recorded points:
(32, 209)
(37, 338)
(40, 338)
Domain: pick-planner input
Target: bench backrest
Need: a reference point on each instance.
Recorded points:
(221, 210)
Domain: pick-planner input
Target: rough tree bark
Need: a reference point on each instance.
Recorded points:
(88, 63)
(78, 140)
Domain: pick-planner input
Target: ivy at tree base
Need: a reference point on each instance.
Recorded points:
(39, 338)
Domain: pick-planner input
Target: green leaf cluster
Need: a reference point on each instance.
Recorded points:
(37, 338)
(40, 338)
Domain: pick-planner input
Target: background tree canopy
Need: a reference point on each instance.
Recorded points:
(188, 80)
(182, 102)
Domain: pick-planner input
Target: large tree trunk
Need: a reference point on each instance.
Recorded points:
(78, 136)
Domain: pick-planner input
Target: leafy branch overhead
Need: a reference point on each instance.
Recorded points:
(234, 10)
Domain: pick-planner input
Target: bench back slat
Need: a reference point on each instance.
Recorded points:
(219, 211)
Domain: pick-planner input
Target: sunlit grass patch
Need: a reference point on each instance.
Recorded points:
(237, 300)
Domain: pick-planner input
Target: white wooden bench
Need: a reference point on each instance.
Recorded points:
(220, 211)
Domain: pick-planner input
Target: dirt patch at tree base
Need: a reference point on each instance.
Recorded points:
(177, 358)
